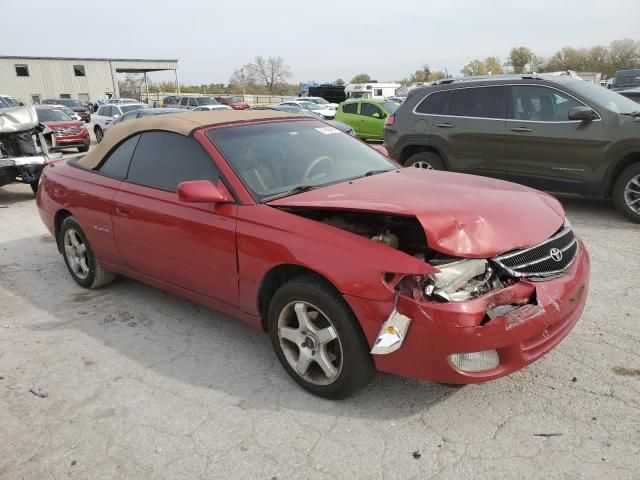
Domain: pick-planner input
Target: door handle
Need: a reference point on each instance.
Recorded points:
(122, 210)
(445, 125)
(521, 129)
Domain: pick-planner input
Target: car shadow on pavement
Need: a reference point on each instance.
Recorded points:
(9, 197)
(181, 341)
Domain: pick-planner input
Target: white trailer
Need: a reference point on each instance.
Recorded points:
(371, 90)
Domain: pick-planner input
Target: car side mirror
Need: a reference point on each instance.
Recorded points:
(583, 114)
(115, 116)
(202, 191)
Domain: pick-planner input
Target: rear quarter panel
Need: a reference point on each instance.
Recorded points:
(88, 197)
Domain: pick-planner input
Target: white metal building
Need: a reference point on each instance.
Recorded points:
(371, 90)
(32, 79)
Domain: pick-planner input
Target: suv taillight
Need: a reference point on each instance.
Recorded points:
(391, 120)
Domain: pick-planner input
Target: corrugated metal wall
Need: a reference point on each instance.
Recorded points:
(50, 78)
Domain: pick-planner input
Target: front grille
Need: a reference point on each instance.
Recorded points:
(63, 132)
(551, 257)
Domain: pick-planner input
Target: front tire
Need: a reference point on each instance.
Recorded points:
(99, 134)
(84, 149)
(79, 258)
(318, 340)
(34, 187)
(426, 160)
(626, 193)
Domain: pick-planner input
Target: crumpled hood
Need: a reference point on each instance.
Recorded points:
(462, 215)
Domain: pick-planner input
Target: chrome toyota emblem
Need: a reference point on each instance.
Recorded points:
(556, 254)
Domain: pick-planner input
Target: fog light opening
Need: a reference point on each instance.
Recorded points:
(475, 361)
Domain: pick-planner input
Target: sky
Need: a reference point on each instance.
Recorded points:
(319, 40)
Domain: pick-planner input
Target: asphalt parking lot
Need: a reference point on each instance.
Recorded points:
(130, 382)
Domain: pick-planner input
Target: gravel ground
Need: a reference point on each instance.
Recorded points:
(130, 382)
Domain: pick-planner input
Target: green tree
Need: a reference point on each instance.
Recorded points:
(340, 82)
(361, 78)
(519, 57)
(474, 67)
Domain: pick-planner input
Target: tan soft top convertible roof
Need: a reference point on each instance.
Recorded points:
(182, 123)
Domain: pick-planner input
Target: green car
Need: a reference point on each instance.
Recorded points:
(366, 117)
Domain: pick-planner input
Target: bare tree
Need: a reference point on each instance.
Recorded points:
(624, 53)
(270, 71)
(243, 77)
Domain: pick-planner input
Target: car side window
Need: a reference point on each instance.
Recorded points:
(106, 111)
(193, 102)
(350, 107)
(117, 162)
(164, 159)
(115, 110)
(184, 100)
(478, 102)
(369, 109)
(432, 104)
(540, 104)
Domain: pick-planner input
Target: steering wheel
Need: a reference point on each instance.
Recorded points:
(314, 163)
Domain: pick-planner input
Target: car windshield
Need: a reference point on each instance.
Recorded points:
(627, 79)
(606, 98)
(277, 159)
(207, 101)
(389, 106)
(68, 111)
(319, 101)
(47, 115)
(69, 102)
(10, 101)
(234, 100)
(128, 108)
(311, 106)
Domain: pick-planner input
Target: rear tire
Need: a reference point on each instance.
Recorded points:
(83, 149)
(626, 193)
(426, 160)
(79, 258)
(318, 340)
(99, 134)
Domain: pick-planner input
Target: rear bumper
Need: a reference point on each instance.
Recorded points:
(437, 330)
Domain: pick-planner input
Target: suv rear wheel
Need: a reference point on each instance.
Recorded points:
(426, 160)
(626, 193)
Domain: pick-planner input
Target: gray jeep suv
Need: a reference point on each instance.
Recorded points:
(553, 133)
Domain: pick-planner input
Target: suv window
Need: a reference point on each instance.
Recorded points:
(164, 159)
(193, 102)
(478, 102)
(350, 107)
(184, 100)
(369, 109)
(432, 104)
(117, 163)
(540, 104)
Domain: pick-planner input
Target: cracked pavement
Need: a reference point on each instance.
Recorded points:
(138, 383)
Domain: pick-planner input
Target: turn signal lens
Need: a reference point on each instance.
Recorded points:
(390, 121)
(475, 361)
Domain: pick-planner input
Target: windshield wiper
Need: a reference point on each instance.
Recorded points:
(293, 191)
(376, 172)
(633, 114)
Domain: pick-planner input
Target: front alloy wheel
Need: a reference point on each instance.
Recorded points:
(76, 254)
(317, 338)
(425, 160)
(310, 343)
(626, 192)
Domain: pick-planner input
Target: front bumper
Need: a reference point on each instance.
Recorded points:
(70, 141)
(549, 311)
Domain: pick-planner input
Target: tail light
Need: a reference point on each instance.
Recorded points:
(391, 120)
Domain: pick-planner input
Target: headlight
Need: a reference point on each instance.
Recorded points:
(461, 280)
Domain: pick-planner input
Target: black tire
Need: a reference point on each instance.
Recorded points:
(424, 160)
(34, 187)
(83, 149)
(356, 365)
(99, 133)
(95, 276)
(624, 193)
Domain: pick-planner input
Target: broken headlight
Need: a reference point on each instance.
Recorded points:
(461, 280)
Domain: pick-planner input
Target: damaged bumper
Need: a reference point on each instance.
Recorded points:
(502, 331)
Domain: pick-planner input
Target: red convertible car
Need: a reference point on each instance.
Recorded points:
(350, 263)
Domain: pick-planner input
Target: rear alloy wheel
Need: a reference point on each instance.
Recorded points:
(626, 193)
(99, 134)
(79, 258)
(425, 160)
(317, 339)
